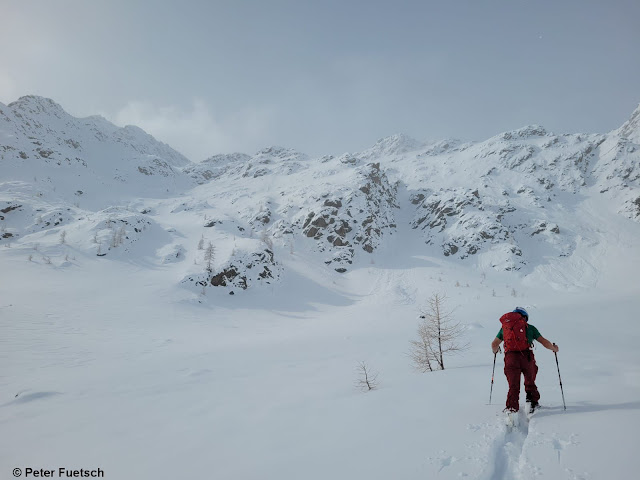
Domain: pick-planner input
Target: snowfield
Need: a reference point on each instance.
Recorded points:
(106, 367)
(118, 353)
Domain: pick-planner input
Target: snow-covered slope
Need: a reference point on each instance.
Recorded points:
(514, 202)
(86, 161)
(122, 348)
(618, 173)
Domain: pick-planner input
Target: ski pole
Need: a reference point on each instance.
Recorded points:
(560, 378)
(492, 374)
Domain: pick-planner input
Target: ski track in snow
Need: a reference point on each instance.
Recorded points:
(506, 459)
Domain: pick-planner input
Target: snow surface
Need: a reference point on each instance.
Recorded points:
(119, 362)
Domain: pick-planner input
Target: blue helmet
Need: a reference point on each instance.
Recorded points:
(522, 312)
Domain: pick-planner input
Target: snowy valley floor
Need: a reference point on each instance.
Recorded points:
(108, 364)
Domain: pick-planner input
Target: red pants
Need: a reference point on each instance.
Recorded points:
(516, 363)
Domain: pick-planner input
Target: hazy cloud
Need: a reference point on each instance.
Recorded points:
(195, 131)
(326, 77)
(8, 90)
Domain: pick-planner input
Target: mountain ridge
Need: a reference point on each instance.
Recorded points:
(508, 203)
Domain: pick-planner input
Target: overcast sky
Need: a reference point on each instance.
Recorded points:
(326, 76)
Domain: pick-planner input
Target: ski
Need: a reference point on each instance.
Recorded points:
(511, 420)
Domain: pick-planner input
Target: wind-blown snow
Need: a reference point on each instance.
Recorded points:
(122, 352)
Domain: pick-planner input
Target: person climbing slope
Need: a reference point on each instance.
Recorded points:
(518, 336)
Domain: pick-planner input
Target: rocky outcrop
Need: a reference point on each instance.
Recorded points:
(358, 219)
(216, 166)
(242, 271)
(459, 221)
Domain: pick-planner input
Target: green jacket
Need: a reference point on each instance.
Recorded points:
(532, 334)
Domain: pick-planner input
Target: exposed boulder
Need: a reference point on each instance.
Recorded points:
(241, 271)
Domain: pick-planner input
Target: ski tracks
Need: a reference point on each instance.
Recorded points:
(506, 459)
(509, 457)
(500, 452)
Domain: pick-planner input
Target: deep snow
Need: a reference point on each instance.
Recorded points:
(104, 366)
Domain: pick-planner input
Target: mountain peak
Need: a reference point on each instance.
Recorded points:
(36, 104)
(441, 146)
(525, 132)
(631, 128)
(281, 153)
(397, 143)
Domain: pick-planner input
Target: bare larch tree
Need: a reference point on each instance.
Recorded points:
(438, 335)
(421, 352)
(209, 256)
(367, 380)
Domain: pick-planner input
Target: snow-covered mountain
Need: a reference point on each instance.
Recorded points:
(87, 161)
(122, 348)
(518, 201)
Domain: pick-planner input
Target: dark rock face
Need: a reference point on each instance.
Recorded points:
(361, 217)
(225, 277)
(8, 209)
(246, 270)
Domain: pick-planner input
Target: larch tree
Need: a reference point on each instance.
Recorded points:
(438, 335)
(209, 257)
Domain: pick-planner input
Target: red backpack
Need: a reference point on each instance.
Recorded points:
(514, 332)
